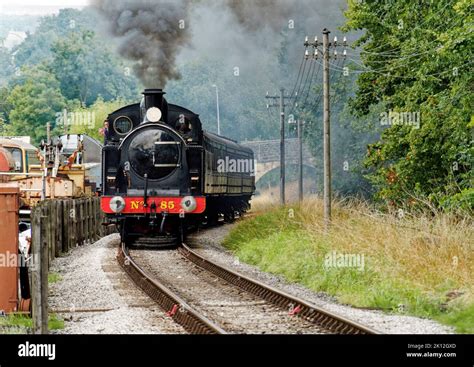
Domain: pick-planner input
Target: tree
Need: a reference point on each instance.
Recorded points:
(36, 48)
(85, 70)
(6, 67)
(34, 102)
(80, 59)
(418, 60)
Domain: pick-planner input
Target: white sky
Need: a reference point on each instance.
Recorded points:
(38, 7)
(64, 3)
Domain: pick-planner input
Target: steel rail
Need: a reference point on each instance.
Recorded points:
(175, 307)
(296, 306)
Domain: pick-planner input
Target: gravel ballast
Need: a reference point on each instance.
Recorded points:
(234, 310)
(102, 297)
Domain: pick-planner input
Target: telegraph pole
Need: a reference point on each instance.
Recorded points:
(282, 106)
(300, 160)
(327, 132)
(326, 112)
(282, 146)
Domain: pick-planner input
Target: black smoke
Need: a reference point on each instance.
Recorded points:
(151, 33)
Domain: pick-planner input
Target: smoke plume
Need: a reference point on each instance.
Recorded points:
(257, 14)
(150, 33)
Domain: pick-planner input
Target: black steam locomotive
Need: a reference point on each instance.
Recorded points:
(163, 174)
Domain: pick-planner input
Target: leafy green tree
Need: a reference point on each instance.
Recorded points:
(86, 69)
(34, 102)
(5, 108)
(81, 60)
(36, 48)
(417, 57)
(6, 67)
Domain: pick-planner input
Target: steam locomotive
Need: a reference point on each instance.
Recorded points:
(162, 174)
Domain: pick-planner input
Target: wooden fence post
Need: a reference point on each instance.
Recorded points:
(50, 220)
(45, 261)
(39, 287)
(64, 227)
(36, 270)
(74, 223)
(88, 220)
(58, 226)
(58, 218)
(99, 219)
(81, 223)
(95, 218)
(92, 223)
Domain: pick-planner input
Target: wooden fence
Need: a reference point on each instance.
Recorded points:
(65, 224)
(58, 226)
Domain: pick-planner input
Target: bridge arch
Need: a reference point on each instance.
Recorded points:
(265, 169)
(267, 155)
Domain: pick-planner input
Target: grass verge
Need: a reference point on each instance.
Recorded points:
(21, 324)
(421, 266)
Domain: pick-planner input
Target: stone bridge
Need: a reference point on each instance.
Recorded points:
(267, 155)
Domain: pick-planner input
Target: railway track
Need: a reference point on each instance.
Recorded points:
(206, 298)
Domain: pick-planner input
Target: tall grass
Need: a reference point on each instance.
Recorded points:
(421, 265)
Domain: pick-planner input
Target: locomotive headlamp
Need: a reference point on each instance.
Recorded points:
(188, 204)
(153, 114)
(117, 204)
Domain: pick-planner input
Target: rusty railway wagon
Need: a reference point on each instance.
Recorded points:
(163, 174)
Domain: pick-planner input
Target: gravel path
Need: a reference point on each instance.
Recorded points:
(233, 309)
(91, 280)
(208, 243)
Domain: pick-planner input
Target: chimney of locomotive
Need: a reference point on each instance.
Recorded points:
(154, 99)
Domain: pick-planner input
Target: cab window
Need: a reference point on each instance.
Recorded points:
(31, 158)
(17, 158)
